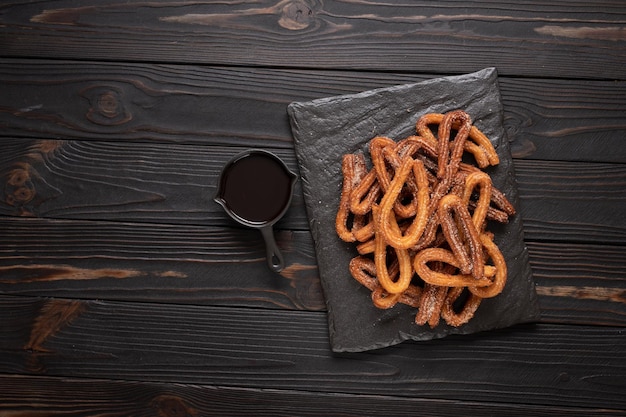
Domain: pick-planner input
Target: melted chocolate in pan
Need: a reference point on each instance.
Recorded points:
(255, 189)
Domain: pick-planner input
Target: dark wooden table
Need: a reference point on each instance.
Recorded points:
(125, 290)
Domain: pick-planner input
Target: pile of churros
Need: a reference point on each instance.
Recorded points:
(419, 219)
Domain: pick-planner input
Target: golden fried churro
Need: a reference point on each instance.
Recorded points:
(419, 217)
(462, 235)
(454, 318)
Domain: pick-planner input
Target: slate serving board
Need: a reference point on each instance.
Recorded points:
(326, 129)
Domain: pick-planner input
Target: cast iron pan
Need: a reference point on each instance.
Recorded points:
(255, 189)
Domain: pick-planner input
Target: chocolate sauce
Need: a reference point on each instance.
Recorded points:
(256, 187)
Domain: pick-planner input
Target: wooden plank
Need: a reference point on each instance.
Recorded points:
(580, 284)
(565, 120)
(20, 395)
(565, 38)
(582, 202)
(552, 365)
(159, 263)
(175, 184)
(156, 183)
(545, 118)
(577, 284)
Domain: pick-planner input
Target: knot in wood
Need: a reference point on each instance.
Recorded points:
(18, 177)
(296, 15)
(107, 106)
(19, 188)
(172, 406)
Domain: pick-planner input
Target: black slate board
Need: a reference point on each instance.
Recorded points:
(326, 129)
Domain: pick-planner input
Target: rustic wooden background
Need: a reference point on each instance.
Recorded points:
(125, 290)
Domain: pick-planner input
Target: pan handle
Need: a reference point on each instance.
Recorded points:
(275, 259)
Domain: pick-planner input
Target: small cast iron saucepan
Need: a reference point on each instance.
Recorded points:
(255, 189)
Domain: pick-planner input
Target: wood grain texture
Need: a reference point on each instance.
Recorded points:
(524, 38)
(265, 349)
(580, 284)
(175, 184)
(577, 284)
(28, 395)
(549, 119)
(159, 263)
(124, 290)
(583, 202)
(157, 183)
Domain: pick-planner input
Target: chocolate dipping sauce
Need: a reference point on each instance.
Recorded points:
(256, 187)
